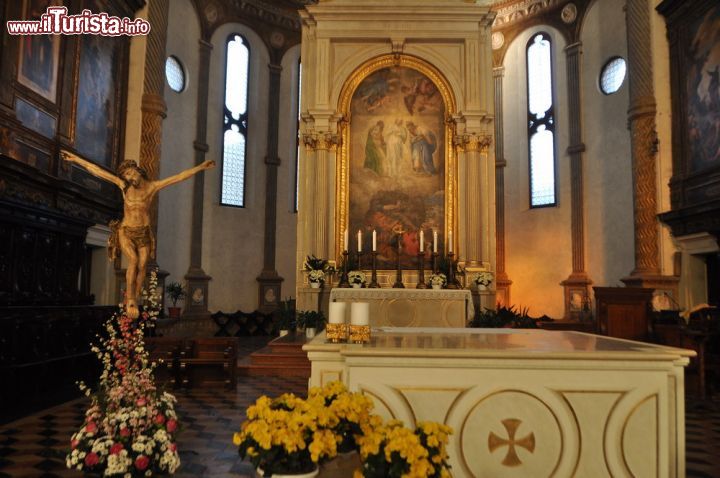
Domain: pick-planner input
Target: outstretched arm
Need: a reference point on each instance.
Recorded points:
(183, 175)
(92, 169)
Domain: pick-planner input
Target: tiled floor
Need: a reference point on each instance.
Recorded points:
(34, 447)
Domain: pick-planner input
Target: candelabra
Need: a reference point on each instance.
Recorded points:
(398, 276)
(373, 281)
(344, 277)
(421, 271)
(434, 262)
(451, 272)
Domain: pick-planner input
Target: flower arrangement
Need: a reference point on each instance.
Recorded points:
(316, 276)
(438, 279)
(352, 409)
(392, 451)
(129, 429)
(357, 277)
(484, 278)
(287, 434)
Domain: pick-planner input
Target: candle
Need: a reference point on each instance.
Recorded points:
(422, 240)
(449, 241)
(359, 240)
(434, 240)
(374, 240)
(359, 313)
(337, 312)
(345, 244)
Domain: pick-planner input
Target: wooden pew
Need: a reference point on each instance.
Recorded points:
(211, 361)
(166, 352)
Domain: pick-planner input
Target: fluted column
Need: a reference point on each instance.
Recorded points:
(577, 285)
(197, 280)
(326, 146)
(502, 282)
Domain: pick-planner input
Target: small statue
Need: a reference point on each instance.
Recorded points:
(133, 234)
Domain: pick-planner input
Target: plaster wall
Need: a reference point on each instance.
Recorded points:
(177, 154)
(537, 241)
(609, 224)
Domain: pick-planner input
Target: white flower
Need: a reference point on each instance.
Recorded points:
(484, 278)
(356, 277)
(316, 276)
(438, 279)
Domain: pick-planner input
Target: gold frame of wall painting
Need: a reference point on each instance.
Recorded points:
(342, 204)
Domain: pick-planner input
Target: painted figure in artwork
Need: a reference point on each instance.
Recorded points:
(396, 138)
(423, 144)
(375, 149)
(133, 234)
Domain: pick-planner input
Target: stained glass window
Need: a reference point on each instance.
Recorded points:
(235, 122)
(541, 121)
(175, 74)
(612, 75)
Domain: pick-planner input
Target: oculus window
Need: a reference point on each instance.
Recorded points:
(612, 75)
(175, 74)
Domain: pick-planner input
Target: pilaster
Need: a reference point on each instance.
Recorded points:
(502, 281)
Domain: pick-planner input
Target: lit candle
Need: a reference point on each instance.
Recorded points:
(337, 312)
(346, 240)
(374, 240)
(434, 240)
(359, 313)
(359, 240)
(422, 240)
(449, 241)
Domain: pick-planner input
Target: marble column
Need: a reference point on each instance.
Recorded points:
(197, 281)
(577, 286)
(643, 144)
(269, 281)
(502, 281)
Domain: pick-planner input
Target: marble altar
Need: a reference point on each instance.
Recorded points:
(525, 402)
(412, 307)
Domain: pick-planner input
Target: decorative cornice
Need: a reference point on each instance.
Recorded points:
(510, 13)
(269, 13)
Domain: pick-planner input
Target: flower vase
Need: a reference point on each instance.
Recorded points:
(284, 332)
(437, 286)
(310, 332)
(315, 285)
(356, 286)
(311, 474)
(481, 287)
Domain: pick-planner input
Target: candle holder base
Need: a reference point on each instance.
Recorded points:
(373, 281)
(344, 283)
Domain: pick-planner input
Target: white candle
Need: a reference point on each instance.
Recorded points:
(337, 312)
(359, 313)
(434, 240)
(359, 240)
(449, 241)
(422, 240)
(346, 240)
(374, 240)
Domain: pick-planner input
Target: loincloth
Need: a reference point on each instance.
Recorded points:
(139, 236)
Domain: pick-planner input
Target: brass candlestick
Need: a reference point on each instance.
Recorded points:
(373, 282)
(434, 262)
(421, 271)
(451, 272)
(344, 277)
(358, 261)
(398, 276)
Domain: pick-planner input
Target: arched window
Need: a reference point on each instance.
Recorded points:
(235, 121)
(297, 135)
(541, 121)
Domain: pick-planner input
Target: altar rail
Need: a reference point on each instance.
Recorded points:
(43, 352)
(243, 324)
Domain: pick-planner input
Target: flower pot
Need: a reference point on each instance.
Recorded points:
(437, 286)
(356, 286)
(482, 287)
(174, 312)
(309, 332)
(311, 474)
(284, 332)
(315, 285)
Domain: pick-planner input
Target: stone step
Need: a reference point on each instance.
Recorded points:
(274, 371)
(261, 358)
(283, 357)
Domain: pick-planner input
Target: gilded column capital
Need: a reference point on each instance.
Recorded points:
(472, 142)
(310, 141)
(320, 141)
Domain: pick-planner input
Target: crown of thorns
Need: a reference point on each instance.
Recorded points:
(130, 164)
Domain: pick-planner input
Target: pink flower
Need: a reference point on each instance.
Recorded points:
(124, 432)
(74, 444)
(141, 402)
(142, 462)
(159, 419)
(91, 459)
(91, 427)
(171, 425)
(116, 448)
(172, 447)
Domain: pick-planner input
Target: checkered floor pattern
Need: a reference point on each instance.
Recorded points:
(35, 446)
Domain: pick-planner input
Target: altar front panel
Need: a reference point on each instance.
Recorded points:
(412, 307)
(525, 403)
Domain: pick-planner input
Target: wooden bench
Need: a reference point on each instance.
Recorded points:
(166, 352)
(211, 361)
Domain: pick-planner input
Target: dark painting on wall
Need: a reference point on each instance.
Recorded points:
(39, 54)
(397, 163)
(97, 97)
(703, 91)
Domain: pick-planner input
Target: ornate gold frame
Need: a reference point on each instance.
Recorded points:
(342, 187)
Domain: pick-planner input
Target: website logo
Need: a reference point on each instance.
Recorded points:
(56, 21)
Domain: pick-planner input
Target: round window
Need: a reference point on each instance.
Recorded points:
(612, 75)
(175, 74)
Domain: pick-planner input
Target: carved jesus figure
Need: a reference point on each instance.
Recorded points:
(133, 234)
